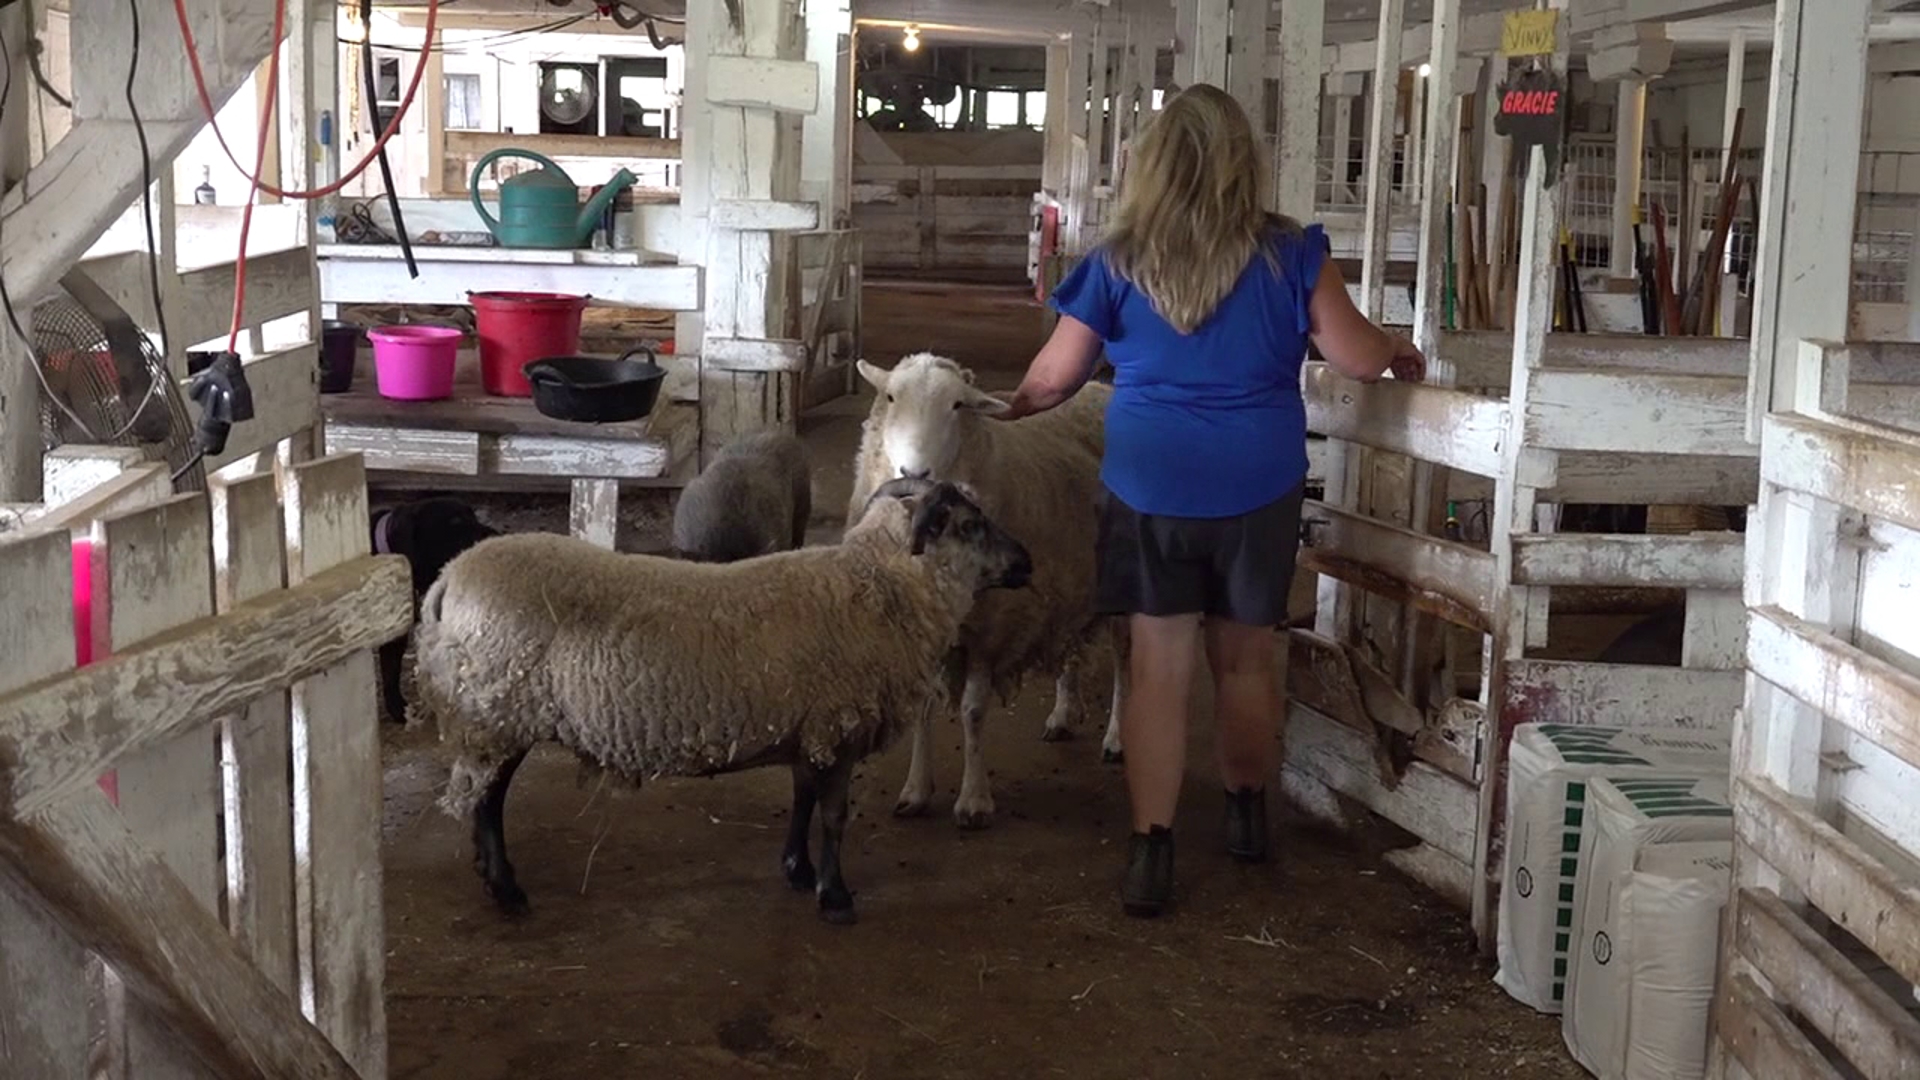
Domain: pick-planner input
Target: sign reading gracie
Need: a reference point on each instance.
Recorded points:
(1533, 112)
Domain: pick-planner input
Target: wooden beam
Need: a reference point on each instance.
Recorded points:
(1427, 802)
(1803, 266)
(1433, 423)
(286, 401)
(1565, 692)
(1760, 1037)
(1445, 579)
(1302, 30)
(1685, 479)
(116, 898)
(1680, 414)
(1857, 891)
(473, 145)
(61, 735)
(1864, 467)
(1871, 697)
(763, 82)
(1875, 1033)
(363, 277)
(749, 354)
(1700, 561)
(766, 215)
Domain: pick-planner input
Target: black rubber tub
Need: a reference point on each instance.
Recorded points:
(594, 389)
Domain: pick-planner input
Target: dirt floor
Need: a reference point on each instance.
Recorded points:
(663, 942)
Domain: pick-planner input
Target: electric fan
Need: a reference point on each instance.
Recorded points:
(106, 384)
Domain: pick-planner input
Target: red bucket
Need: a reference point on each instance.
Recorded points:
(517, 328)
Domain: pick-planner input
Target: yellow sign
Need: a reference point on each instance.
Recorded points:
(1529, 33)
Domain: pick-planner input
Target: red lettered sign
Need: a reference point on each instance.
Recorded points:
(1533, 112)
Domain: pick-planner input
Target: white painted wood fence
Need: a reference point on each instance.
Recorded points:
(224, 919)
(1824, 923)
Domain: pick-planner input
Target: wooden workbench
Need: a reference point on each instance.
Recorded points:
(473, 434)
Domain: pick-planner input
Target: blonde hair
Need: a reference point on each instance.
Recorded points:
(1190, 214)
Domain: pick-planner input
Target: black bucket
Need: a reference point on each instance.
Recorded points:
(339, 352)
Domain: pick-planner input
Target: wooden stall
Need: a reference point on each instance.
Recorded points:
(1524, 424)
(1820, 946)
(192, 770)
(953, 222)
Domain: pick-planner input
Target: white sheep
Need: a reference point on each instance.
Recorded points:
(1038, 477)
(647, 666)
(753, 498)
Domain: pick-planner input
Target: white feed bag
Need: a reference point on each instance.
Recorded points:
(1658, 855)
(1548, 769)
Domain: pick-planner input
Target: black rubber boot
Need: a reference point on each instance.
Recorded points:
(1148, 887)
(1247, 825)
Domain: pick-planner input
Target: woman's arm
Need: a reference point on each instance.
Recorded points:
(1064, 365)
(1353, 346)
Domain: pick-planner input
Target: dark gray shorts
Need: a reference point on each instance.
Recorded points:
(1236, 568)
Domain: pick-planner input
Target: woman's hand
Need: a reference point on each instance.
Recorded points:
(1408, 365)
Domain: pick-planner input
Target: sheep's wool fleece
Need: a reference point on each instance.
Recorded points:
(651, 667)
(1038, 478)
(746, 501)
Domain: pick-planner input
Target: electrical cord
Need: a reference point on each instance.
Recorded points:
(146, 180)
(206, 104)
(476, 45)
(259, 164)
(13, 318)
(34, 49)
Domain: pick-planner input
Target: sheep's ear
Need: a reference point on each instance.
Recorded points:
(982, 402)
(876, 377)
(929, 521)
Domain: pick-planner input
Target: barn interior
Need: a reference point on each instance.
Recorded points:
(1659, 496)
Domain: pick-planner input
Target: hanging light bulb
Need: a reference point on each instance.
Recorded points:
(1424, 70)
(911, 42)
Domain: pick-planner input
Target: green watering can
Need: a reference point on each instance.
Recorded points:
(541, 209)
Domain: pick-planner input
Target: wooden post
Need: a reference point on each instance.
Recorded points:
(1186, 15)
(1803, 280)
(1247, 63)
(1211, 26)
(1418, 633)
(1058, 132)
(825, 133)
(1736, 86)
(19, 388)
(1100, 62)
(1302, 32)
(754, 88)
(1629, 150)
(1334, 615)
(1515, 495)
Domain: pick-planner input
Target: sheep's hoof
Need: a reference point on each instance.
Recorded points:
(836, 907)
(511, 899)
(1111, 756)
(799, 874)
(1062, 733)
(911, 808)
(973, 818)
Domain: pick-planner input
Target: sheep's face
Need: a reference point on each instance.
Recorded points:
(946, 517)
(948, 520)
(925, 399)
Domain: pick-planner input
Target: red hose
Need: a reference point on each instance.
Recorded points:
(206, 102)
(256, 185)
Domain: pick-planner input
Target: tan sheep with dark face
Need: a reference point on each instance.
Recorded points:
(648, 666)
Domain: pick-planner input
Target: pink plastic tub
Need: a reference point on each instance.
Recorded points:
(414, 363)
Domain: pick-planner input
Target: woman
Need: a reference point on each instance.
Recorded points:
(1205, 306)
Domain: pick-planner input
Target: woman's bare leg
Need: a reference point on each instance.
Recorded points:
(1246, 702)
(1153, 726)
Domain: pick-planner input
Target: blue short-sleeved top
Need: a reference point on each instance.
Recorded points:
(1209, 424)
